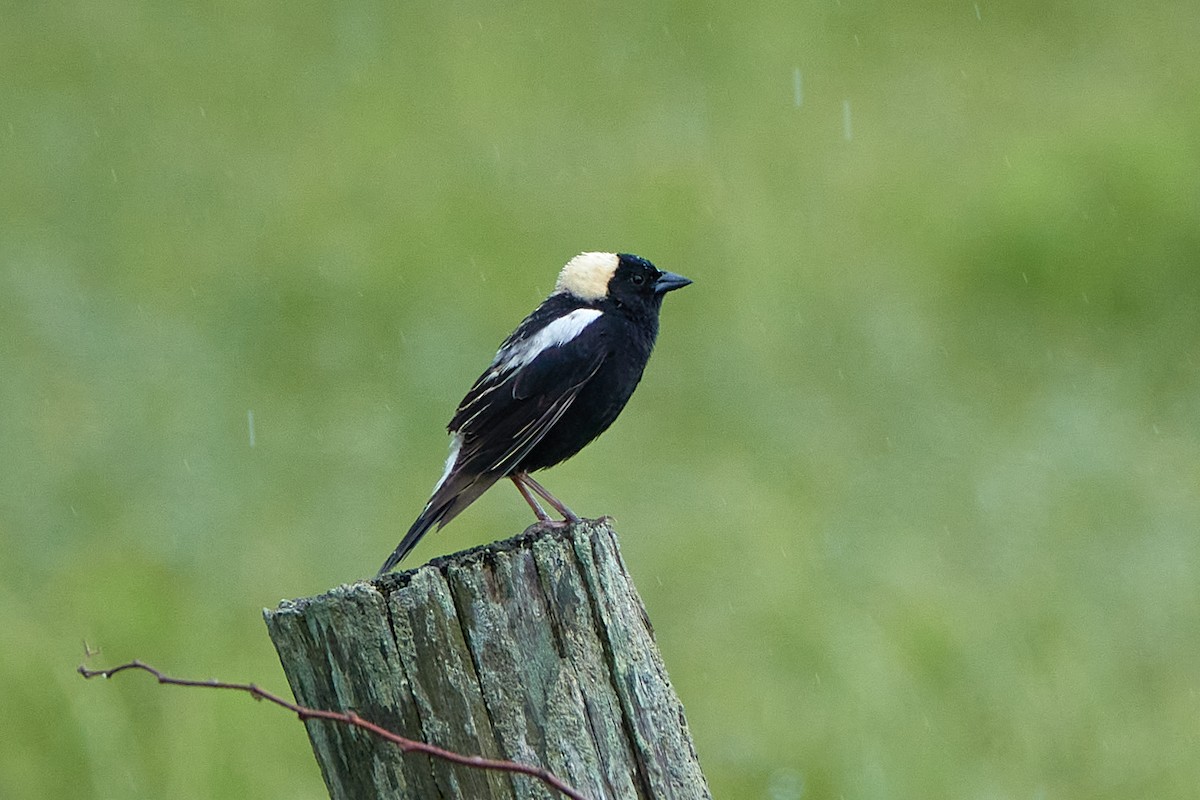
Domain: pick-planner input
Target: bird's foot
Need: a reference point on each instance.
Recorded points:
(551, 525)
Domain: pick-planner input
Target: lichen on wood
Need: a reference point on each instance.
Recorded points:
(536, 649)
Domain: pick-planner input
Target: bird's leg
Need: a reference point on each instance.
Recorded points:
(518, 479)
(542, 491)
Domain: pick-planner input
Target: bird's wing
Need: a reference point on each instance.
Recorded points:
(507, 412)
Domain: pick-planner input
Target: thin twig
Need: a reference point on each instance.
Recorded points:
(348, 718)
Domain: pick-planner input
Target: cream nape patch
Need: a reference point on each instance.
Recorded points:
(587, 275)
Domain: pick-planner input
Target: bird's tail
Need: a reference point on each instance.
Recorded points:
(447, 502)
(429, 517)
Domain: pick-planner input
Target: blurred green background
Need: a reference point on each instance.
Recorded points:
(911, 488)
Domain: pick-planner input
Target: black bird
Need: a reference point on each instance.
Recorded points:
(555, 384)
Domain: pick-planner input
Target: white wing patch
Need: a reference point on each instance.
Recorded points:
(556, 334)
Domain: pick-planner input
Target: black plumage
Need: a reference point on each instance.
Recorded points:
(556, 383)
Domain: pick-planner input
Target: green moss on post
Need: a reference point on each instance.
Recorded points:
(536, 649)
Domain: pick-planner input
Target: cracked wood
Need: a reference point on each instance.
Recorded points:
(536, 649)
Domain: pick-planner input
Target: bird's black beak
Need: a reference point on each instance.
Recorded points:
(669, 281)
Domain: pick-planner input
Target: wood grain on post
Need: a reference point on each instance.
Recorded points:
(536, 650)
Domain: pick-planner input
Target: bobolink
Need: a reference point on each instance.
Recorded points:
(555, 384)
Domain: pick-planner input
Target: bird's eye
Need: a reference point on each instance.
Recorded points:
(638, 279)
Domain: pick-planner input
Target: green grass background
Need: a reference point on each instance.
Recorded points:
(911, 488)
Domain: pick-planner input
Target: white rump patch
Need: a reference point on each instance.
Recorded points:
(556, 334)
(587, 275)
(456, 441)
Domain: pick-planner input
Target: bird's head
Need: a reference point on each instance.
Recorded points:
(630, 281)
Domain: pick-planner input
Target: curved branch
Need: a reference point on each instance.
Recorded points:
(348, 718)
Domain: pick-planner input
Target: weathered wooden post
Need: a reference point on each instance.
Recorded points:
(536, 649)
